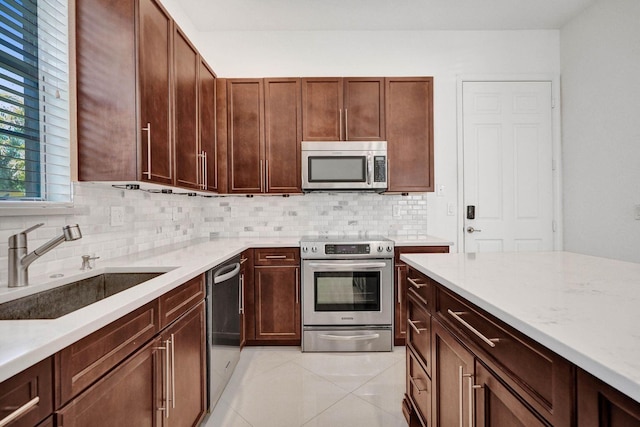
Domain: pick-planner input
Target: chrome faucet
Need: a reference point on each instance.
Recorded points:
(19, 260)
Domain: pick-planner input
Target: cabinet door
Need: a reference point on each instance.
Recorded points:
(187, 369)
(30, 390)
(452, 369)
(409, 119)
(400, 294)
(247, 322)
(283, 133)
(245, 135)
(208, 148)
(277, 303)
(322, 109)
(364, 109)
(600, 405)
(496, 405)
(127, 396)
(186, 64)
(154, 53)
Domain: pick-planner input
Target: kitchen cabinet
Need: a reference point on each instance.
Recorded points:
(156, 353)
(147, 125)
(493, 374)
(400, 288)
(409, 133)
(27, 397)
(185, 368)
(189, 172)
(600, 405)
(208, 151)
(245, 107)
(276, 312)
(343, 109)
(263, 132)
(247, 328)
(283, 135)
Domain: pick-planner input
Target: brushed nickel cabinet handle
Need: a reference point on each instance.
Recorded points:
(148, 130)
(346, 126)
(261, 175)
(275, 257)
(243, 260)
(297, 286)
(416, 284)
(399, 286)
(340, 130)
(241, 295)
(173, 371)
(266, 176)
(456, 315)
(412, 323)
(165, 378)
(19, 412)
(205, 184)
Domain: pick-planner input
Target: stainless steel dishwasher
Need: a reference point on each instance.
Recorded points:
(224, 304)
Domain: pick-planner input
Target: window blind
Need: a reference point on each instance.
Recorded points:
(34, 101)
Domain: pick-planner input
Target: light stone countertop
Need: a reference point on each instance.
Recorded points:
(584, 308)
(26, 342)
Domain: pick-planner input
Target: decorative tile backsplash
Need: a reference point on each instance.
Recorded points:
(152, 220)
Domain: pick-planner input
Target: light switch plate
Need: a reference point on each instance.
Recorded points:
(117, 216)
(441, 191)
(637, 212)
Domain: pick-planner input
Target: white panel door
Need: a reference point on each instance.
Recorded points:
(508, 177)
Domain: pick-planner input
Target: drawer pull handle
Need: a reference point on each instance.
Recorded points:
(415, 328)
(418, 297)
(416, 284)
(276, 257)
(456, 315)
(243, 260)
(19, 412)
(414, 381)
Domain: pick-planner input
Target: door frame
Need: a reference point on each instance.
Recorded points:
(556, 132)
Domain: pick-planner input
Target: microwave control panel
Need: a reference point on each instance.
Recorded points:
(379, 168)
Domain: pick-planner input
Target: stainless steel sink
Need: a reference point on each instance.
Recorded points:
(62, 300)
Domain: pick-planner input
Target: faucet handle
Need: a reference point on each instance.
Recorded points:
(19, 240)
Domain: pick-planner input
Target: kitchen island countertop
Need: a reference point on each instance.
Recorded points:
(584, 308)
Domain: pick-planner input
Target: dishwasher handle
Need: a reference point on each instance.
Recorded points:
(226, 273)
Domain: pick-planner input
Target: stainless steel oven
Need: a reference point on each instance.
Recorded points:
(347, 294)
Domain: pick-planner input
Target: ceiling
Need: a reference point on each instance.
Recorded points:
(380, 15)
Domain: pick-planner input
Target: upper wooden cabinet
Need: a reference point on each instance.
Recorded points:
(141, 113)
(343, 109)
(207, 119)
(409, 121)
(263, 134)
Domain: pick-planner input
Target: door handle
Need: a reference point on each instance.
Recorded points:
(472, 230)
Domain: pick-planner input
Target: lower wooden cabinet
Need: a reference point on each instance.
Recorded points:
(27, 398)
(246, 296)
(127, 396)
(273, 314)
(600, 405)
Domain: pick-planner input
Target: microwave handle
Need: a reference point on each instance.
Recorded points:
(369, 163)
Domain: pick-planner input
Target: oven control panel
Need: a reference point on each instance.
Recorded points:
(357, 249)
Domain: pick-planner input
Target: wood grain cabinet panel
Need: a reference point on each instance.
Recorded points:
(600, 405)
(247, 318)
(419, 332)
(277, 303)
(186, 121)
(409, 126)
(245, 108)
(27, 398)
(207, 121)
(283, 134)
(175, 303)
(419, 389)
(343, 109)
(84, 362)
(129, 395)
(277, 256)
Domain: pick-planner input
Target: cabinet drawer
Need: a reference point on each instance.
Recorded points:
(175, 303)
(422, 287)
(419, 388)
(83, 362)
(530, 368)
(419, 331)
(29, 393)
(277, 256)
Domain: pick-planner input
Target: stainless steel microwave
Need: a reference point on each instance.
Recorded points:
(344, 166)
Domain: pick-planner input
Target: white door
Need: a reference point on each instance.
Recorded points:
(508, 177)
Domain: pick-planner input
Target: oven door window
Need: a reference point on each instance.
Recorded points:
(347, 291)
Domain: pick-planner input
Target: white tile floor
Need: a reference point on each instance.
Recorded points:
(283, 387)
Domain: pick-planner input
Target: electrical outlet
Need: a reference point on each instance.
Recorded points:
(451, 209)
(117, 216)
(441, 191)
(396, 211)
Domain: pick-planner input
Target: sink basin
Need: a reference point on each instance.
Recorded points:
(62, 300)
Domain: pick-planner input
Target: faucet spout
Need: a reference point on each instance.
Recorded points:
(19, 260)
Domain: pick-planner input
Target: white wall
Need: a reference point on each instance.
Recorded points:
(600, 54)
(445, 55)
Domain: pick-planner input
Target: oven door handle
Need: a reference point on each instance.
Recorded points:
(336, 266)
(349, 337)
